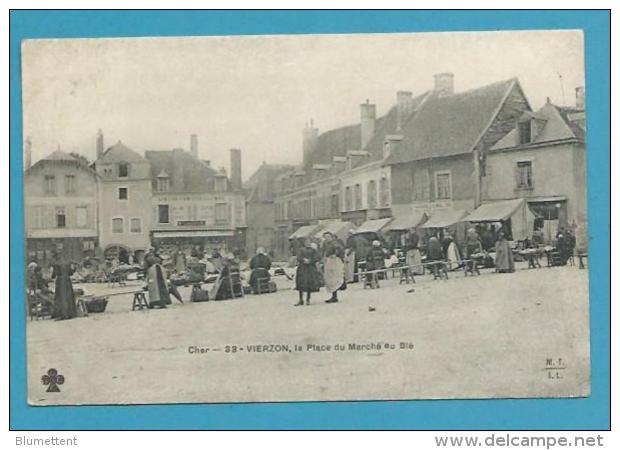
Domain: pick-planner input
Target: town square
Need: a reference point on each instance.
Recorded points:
(225, 222)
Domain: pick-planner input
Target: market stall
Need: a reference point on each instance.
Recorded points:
(512, 217)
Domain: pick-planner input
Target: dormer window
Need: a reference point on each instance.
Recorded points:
(525, 132)
(163, 182)
(123, 170)
(163, 185)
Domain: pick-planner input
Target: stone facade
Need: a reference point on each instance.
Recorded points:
(60, 208)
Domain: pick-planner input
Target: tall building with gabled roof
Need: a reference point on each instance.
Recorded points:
(60, 208)
(124, 196)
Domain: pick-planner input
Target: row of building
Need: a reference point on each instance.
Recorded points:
(438, 155)
(125, 201)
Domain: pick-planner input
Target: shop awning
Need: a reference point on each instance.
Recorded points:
(444, 219)
(408, 221)
(496, 211)
(192, 233)
(305, 231)
(336, 227)
(373, 225)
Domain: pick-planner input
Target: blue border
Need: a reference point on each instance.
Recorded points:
(590, 413)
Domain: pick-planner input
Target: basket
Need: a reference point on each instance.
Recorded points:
(96, 304)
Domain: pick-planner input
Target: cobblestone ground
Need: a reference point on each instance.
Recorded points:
(524, 334)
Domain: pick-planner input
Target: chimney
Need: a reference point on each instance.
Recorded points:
(368, 116)
(99, 143)
(235, 168)
(310, 140)
(444, 83)
(178, 172)
(207, 162)
(580, 97)
(193, 145)
(404, 105)
(27, 153)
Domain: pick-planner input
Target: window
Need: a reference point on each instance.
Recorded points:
(61, 218)
(524, 175)
(443, 186)
(123, 170)
(384, 192)
(421, 185)
(163, 184)
(335, 207)
(81, 215)
(117, 225)
(163, 212)
(348, 199)
(50, 184)
(358, 196)
(220, 184)
(371, 194)
(123, 193)
(69, 184)
(525, 132)
(221, 213)
(135, 225)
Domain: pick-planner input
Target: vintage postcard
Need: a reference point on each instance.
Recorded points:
(306, 218)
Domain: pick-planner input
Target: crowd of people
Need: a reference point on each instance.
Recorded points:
(327, 263)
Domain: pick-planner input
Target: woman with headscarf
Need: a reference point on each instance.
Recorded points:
(259, 265)
(64, 298)
(413, 256)
(307, 276)
(434, 255)
(180, 261)
(155, 280)
(333, 266)
(504, 262)
(451, 252)
(473, 247)
(375, 261)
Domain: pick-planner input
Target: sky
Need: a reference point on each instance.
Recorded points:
(257, 92)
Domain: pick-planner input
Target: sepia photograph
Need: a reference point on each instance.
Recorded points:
(283, 218)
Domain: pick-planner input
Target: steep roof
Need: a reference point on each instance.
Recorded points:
(60, 157)
(557, 127)
(266, 170)
(266, 174)
(120, 152)
(336, 142)
(386, 125)
(448, 125)
(186, 172)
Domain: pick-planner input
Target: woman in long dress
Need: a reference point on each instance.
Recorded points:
(504, 261)
(307, 276)
(156, 281)
(452, 252)
(333, 266)
(414, 258)
(64, 298)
